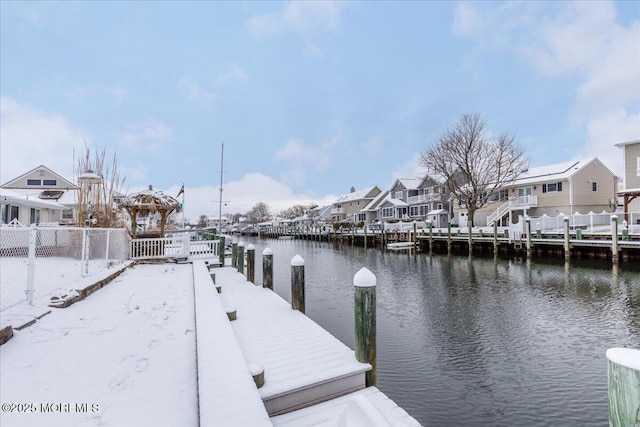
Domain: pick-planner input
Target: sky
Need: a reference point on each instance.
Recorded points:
(309, 98)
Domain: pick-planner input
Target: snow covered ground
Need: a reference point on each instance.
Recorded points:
(124, 356)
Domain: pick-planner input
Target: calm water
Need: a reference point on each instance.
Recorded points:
(475, 341)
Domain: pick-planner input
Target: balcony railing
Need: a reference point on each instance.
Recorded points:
(337, 211)
(426, 198)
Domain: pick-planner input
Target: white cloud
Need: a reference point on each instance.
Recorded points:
(233, 74)
(301, 16)
(240, 196)
(580, 40)
(30, 137)
(311, 49)
(151, 135)
(194, 90)
(410, 169)
(300, 158)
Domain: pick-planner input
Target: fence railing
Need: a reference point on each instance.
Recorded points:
(35, 261)
(178, 246)
(590, 222)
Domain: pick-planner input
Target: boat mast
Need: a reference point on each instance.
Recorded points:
(220, 201)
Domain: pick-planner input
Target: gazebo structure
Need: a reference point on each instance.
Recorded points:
(149, 202)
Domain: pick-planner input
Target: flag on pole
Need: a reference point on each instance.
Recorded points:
(181, 191)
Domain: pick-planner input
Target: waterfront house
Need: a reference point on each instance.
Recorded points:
(370, 213)
(38, 196)
(577, 186)
(431, 200)
(631, 192)
(348, 207)
(417, 199)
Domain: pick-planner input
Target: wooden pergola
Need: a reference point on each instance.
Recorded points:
(628, 196)
(149, 202)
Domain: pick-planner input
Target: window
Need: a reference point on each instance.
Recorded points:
(34, 217)
(638, 166)
(552, 187)
(397, 195)
(362, 217)
(594, 186)
(34, 182)
(413, 211)
(439, 205)
(387, 212)
(49, 182)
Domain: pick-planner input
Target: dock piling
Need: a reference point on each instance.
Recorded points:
(234, 254)
(251, 263)
(623, 373)
(528, 222)
(240, 255)
(267, 268)
(614, 238)
(567, 247)
(297, 283)
(364, 282)
(221, 253)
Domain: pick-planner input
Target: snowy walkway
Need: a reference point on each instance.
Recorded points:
(127, 352)
(127, 356)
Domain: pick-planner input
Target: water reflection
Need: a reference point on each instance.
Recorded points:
(478, 341)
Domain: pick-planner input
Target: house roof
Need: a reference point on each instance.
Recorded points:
(356, 195)
(373, 204)
(437, 212)
(407, 183)
(559, 171)
(21, 198)
(18, 182)
(394, 202)
(622, 144)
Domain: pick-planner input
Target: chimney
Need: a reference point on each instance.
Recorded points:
(353, 189)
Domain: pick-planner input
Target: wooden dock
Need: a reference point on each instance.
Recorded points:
(576, 244)
(307, 372)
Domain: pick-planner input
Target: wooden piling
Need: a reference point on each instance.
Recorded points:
(528, 222)
(364, 282)
(623, 371)
(614, 238)
(251, 263)
(267, 268)
(470, 239)
(567, 247)
(234, 254)
(449, 238)
(495, 237)
(297, 283)
(240, 255)
(221, 249)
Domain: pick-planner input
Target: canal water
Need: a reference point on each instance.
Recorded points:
(476, 341)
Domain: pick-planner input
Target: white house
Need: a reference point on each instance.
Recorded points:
(37, 197)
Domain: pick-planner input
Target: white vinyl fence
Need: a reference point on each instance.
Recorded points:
(590, 222)
(35, 261)
(177, 246)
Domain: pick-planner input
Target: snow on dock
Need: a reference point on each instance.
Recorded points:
(366, 408)
(303, 363)
(226, 391)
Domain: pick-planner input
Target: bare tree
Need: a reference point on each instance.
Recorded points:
(202, 221)
(472, 165)
(295, 211)
(103, 200)
(259, 213)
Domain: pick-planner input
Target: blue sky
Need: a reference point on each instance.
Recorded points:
(309, 98)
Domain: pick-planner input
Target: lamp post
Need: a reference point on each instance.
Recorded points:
(88, 178)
